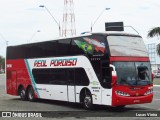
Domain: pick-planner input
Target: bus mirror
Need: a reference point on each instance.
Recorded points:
(114, 74)
(112, 67)
(114, 77)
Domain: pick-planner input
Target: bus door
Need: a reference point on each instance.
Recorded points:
(14, 82)
(106, 79)
(71, 85)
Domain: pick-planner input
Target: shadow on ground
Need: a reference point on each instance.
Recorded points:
(79, 107)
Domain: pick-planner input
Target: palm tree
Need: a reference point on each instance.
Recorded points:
(155, 32)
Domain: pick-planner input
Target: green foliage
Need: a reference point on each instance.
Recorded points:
(158, 49)
(155, 32)
(2, 62)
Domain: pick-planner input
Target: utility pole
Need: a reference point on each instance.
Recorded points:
(68, 26)
(98, 17)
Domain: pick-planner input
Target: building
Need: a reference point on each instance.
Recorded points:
(151, 46)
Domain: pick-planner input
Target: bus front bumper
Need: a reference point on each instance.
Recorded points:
(123, 100)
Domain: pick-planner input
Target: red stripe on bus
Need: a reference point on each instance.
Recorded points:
(129, 58)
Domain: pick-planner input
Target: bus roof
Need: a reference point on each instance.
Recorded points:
(118, 33)
(106, 33)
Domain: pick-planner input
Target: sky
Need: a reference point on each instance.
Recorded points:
(21, 19)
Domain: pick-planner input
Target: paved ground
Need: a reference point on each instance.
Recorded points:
(13, 103)
(156, 81)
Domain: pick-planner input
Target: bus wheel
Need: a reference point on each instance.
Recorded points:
(31, 94)
(22, 94)
(87, 102)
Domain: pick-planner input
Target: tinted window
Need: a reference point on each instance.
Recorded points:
(64, 47)
(99, 44)
(50, 76)
(50, 48)
(35, 50)
(90, 45)
(97, 67)
(77, 46)
(71, 76)
(42, 76)
(64, 76)
(81, 77)
(105, 79)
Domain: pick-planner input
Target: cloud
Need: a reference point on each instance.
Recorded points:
(144, 8)
(35, 9)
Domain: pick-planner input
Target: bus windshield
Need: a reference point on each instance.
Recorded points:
(133, 73)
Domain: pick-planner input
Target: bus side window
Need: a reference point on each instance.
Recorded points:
(70, 74)
(106, 77)
(50, 76)
(81, 77)
(99, 39)
(64, 47)
(76, 48)
(60, 76)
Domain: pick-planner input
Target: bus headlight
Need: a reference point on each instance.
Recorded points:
(150, 91)
(122, 93)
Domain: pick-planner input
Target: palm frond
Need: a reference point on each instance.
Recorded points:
(158, 49)
(154, 32)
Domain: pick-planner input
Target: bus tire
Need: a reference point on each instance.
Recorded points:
(30, 95)
(87, 102)
(22, 94)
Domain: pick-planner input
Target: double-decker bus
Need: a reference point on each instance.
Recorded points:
(110, 68)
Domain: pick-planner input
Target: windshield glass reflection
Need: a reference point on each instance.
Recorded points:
(133, 73)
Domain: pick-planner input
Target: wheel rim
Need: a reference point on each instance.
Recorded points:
(22, 94)
(31, 94)
(87, 101)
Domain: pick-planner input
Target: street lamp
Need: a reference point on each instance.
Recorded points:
(33, 35)
(42, 6)
(4, 39)
(98, 17)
